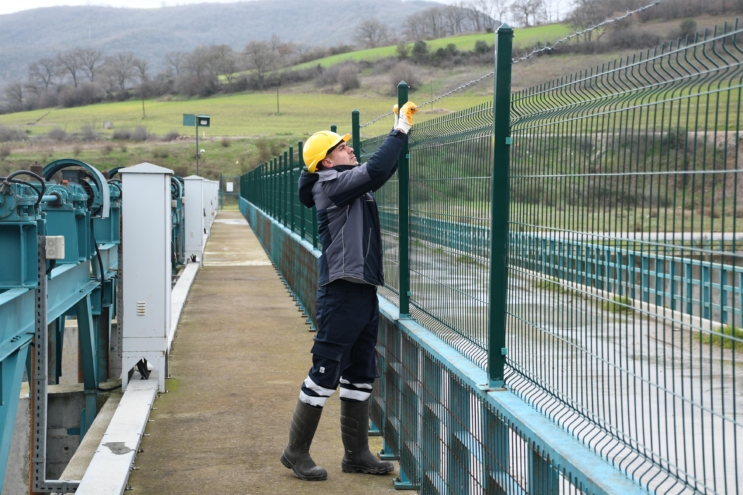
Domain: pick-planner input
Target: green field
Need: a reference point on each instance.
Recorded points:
(522, 38)
(252, 114)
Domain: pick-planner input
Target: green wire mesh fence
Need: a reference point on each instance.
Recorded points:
(626, 201)
(625, 272)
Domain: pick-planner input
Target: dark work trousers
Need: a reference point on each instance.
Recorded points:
(345, 345)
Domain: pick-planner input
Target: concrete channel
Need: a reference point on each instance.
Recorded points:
(238, 359)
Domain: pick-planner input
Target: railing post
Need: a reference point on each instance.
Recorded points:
(403, 212)
(290, 196)
(333, 128)
(300, 159)
(356, 134)
(499, 208)
(285, 190)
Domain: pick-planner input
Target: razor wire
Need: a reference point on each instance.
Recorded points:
(534, 52)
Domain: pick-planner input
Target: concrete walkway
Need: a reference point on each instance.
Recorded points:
(239, 357)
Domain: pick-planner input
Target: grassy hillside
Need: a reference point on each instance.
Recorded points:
(522, 37)
(150, 33)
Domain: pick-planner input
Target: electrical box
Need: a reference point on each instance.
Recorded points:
(147, 269)
(195, 219)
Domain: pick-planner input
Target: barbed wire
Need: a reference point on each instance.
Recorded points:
(534, 52)
(548, 48)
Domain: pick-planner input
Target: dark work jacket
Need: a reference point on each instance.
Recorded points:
(347, 215)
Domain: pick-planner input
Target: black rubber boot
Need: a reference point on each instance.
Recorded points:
(355, 433)
(296, 455)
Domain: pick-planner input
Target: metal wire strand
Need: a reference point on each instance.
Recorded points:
(607, 22)
(531, 54)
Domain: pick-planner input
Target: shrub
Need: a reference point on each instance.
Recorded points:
(107, 148)
(122, 134)
(11, 134)
(631, 38)
(225, 142)
(171, 136)
(77, 150)
(87, 132)
(687, 28)
(403, 50)
(348, 77)
(481, 47)
(4, 152)
(140, 133)
(420, 51)
(123, 148)
(57, 134)
(403, 71)
(722, 337)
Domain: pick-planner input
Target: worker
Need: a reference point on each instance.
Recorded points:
(350, 270)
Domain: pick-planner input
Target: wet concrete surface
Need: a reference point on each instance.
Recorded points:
(238, 360)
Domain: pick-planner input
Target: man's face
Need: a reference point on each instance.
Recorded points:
(341, 155)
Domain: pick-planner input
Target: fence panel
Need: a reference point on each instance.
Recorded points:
(616, 171)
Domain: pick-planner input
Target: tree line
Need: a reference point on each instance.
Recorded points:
(83, 76)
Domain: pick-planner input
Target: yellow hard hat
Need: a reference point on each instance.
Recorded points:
(317, 146)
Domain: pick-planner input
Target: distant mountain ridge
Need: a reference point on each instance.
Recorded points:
(29, 35)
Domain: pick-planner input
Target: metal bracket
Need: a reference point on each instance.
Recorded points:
(40, 384)
(402, 482)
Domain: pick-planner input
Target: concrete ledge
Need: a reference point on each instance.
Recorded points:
(109, 470)
(79, 463)
(178, 297)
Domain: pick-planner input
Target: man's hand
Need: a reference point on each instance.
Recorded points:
(404, 118)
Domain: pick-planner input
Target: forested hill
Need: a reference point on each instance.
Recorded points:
(149, 33)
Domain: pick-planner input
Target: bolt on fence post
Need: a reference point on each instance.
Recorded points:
(499, 190)
(403, 207)
(356, 134)
(300, 164)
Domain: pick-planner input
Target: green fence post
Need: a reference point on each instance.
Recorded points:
(403, 174)
(333, 128)
(356, 134)
(499, 208)
(290, 191)
(300, 164)
(285, 190)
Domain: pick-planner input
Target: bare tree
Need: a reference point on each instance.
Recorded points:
(528, 12)
(91, 61)
(259, 57)
(121, 70)
(141, 66)
(43, 72)
(370, 33)
(493, 11)
(223, 61)
(587, 13)
(71, 64)
(176, 60)
(455, 16)
(14, 93)
(434, 19)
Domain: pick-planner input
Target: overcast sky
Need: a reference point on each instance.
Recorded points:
(558, 7)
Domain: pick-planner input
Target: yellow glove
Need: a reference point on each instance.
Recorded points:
(404, 119)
